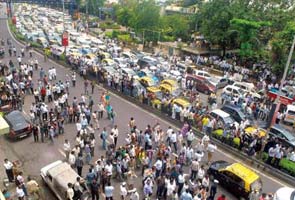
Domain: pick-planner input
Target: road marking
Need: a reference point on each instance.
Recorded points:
(155, 116)
(62, 153)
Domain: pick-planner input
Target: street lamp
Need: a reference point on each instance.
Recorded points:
(276, 106)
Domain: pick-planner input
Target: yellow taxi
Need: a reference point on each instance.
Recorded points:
(236, 177)
(183, 103)
(169, 83)
(251, 130)
(104, 55)
(108, 61)
(147, 81)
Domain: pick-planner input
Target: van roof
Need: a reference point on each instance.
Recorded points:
(290, 107)
(232, 86)
(63, 174)
(243, 172)
(221, 113)
(196, 77)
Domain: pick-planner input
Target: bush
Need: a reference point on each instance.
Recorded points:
(288, 166)
(35, 45)
(109, 25)
(115, 34)
(125, 38)
(109, 34)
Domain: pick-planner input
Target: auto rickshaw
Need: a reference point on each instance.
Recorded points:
(155, 96)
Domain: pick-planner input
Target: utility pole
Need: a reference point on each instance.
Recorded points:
(63, 14)
(276, 106)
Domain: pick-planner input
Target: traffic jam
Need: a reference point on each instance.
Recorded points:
(212, 96)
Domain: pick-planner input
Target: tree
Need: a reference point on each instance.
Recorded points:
(247, 34)
(213, 19)
(176, 26)
(146, 16)
(280, 45)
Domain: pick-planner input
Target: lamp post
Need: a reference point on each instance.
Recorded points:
(276, 106)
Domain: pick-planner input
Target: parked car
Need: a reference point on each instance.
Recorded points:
(57, 175)
(289, 115)
(223, 119)
(284, 193)
(203, 74)
(285, 136)
(219, 82)
(236, 113)
(233, 90)
(201, 84)
(236, 178)
(20, 125)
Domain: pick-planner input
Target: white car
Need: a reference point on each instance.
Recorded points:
(57, 175)
(285, 193)
(233, 90)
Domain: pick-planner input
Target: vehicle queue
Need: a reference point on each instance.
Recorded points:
(149, 78)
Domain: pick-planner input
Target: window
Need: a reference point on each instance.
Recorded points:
(229, 89)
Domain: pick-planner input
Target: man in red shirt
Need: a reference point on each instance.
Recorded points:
(221, 197)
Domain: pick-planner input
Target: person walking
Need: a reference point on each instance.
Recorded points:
(95, 190)
(112, 117)
(9, 169)
(79, 164)
(20, 193)
(92, 86)
(36, 133)
(70, 192)
(115, 131)
(104, 136)
(67, 148)
(210, 150)
(213, 190)
(123, 191)
(109, 189)
(33, 188)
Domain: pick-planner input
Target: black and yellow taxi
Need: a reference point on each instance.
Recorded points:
(236, 178)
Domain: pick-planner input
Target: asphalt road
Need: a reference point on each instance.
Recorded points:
(36, 155)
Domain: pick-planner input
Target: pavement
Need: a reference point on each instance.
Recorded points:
(34, 156)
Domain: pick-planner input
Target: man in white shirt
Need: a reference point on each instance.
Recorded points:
(20, 193)
(158, 165)
(134, 194)
(70, 192)
(72, 159)
(210, 150)
(194, 168)
(190, 138)
(123, 191)
(67, 148)
(115, 131)
(8, 168)
(169, 133)
(173, 139)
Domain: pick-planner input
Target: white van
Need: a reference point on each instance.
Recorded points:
(289, 115)
(57, 175)
(248, 87)
(202, 73)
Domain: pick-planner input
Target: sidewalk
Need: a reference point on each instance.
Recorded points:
(5, 152)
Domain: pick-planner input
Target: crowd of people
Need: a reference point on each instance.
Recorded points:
(171, 162)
